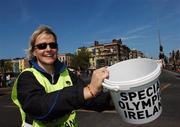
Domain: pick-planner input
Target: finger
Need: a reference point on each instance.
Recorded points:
(105, 73)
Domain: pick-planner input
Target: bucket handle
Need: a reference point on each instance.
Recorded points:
(114, 88)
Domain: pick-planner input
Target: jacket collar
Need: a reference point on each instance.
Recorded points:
(59, 66)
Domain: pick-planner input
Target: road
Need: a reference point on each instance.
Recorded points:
(170, 117)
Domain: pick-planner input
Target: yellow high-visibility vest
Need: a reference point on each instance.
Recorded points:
(68, 120)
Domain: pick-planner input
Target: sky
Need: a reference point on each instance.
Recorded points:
(79, 23)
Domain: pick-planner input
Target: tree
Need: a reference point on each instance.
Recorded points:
(177, 58)
(81, 59)
(3, 71)
(174, 60)
(177, 55)
(1, 66)
(8, 66)
(74, 62)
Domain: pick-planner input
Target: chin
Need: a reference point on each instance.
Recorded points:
(50, 61)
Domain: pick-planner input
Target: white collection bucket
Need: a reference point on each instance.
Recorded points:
(134, 87)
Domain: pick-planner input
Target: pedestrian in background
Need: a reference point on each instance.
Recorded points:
(47, 94)
(8, 80)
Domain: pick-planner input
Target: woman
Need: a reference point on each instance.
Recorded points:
(47, 94)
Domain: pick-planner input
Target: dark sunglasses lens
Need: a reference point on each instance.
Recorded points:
(53, 45)
(44, 46)
(41, 46)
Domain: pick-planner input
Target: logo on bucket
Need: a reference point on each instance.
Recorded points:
(140, 106)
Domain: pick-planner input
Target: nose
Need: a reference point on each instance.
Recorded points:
(48, 47)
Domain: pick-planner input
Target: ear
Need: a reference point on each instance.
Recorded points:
(34, 53)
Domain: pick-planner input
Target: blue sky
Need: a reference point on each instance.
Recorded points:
(81, 22)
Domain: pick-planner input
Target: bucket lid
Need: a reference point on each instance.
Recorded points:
(151, 71)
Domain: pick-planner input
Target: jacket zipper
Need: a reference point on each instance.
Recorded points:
(52, 78)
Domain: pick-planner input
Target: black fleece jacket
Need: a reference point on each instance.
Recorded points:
(49, 106)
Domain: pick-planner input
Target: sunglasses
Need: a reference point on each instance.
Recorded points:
(41, 46)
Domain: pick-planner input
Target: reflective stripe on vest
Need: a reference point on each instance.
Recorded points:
(63, 81)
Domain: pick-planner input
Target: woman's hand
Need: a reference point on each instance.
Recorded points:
(95, 86)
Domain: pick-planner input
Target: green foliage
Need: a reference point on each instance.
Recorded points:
(6, 66)
(81, 59)
(177, 55)
(2, 66)
(175, 59)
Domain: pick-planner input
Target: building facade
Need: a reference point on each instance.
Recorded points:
(107, 54)
(66, 58)
(135, 54)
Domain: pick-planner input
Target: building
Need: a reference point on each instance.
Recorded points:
(66, 58)
(107, 54)
(19, 64)
(135, 54)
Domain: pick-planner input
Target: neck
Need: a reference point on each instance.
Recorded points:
(48, 68)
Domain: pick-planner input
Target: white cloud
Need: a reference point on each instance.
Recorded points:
(130, 37)
(138, 29)
(24, 13)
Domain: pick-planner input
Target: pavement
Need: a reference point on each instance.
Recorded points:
(5, 90)
(10, 116)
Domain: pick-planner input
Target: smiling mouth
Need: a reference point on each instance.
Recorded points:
(49, 55)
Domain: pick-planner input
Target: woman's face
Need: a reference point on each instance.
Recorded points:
(45, 49)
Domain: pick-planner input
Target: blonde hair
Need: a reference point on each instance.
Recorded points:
(41, 29)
